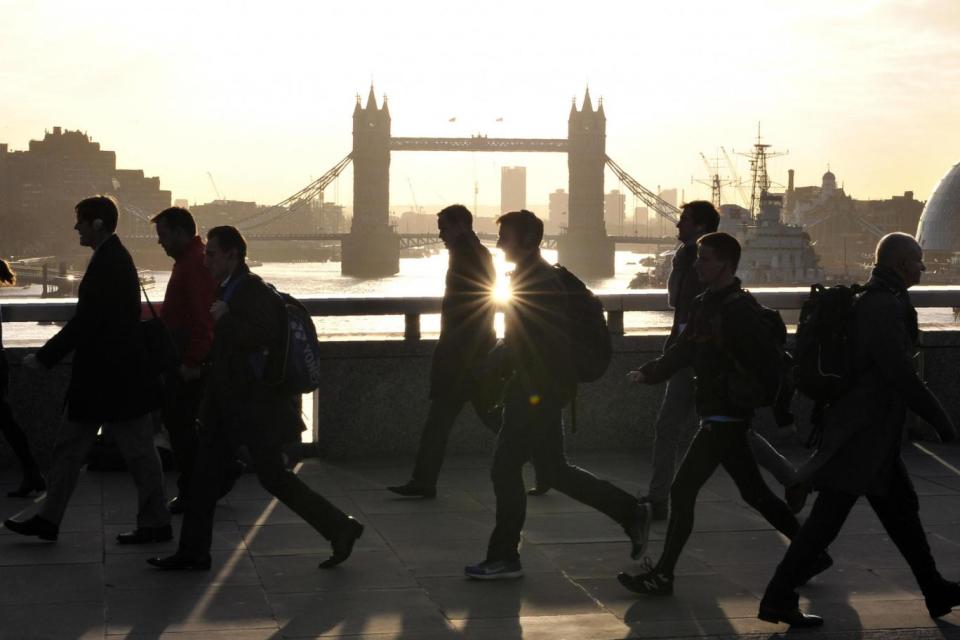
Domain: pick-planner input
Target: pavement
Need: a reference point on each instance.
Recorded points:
(405, 578)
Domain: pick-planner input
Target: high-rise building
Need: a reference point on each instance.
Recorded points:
(641, 221)
(183, 203)
(614, 210)
(40, 186)
(513, 188)
(558, 207)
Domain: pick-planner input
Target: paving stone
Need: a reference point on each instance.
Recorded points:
(449, 499)
(698, 597)
(298, 539)
(216, 607)
(131, 571)
(404, 613)
(299, 573)
(272, 511)
(51, 584)
(70, 548)
(52, 621)
(535, 594)
(425, 557)
(589, 626)
(439, 527)
(607, 559)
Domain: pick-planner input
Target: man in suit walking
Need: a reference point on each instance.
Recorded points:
(240, 409)
(109, 383)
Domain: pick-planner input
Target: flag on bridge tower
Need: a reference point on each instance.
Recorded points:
(453, 119)
(499, 119)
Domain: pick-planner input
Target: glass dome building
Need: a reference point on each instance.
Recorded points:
(939, 228)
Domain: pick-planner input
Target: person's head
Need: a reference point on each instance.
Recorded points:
(903, 254)
(7, 276)
(453, 222)
(96, 220)
(520, 235)
(226, 250)
(718, 255)
(697, 218)
(176, 229)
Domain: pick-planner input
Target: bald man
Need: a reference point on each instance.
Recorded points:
(862, 437)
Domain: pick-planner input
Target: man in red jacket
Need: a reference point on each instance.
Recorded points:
(186, 314)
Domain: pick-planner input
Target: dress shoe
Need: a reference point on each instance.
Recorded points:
(342, 543)
(792, 616)
(32, 481)
(414, 490)
(179, 562)
(146, 535)
(35, 526)
(943, 599)
(177, 505)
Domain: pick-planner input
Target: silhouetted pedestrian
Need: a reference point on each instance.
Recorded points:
(32, 479)
(677, 421)
(239, 408)
(466, 336)
(862, 437)
(537, 355)
(724, 334)
(110, 385)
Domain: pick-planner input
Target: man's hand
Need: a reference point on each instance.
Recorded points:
(30, 361)
(635, 377)
(219, 309)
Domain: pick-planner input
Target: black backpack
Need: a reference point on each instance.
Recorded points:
(823, 367)
(589, 336)
(293, 365)
(748, 389)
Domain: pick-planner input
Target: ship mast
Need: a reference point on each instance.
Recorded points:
(758, 169)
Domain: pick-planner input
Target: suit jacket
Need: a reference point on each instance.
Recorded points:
(466, 318)
(236, 402)
(863, 430)
(109, 381)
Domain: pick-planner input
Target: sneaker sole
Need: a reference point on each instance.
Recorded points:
(506, 575)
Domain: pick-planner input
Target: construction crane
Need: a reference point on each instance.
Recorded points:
(737, 182)
(215, 189)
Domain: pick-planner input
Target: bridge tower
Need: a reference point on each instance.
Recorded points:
(371, 249)
(585, 248)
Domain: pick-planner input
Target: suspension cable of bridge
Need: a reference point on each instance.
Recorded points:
(290, 205)
(662, 208)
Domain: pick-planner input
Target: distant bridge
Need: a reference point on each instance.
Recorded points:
(416, 240)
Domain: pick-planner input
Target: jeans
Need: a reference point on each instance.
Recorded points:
(676, 422)
(135, 441)
(533, 430)
(719, 443)
(898, 512)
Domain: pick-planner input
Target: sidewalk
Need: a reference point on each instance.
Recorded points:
(405, 578)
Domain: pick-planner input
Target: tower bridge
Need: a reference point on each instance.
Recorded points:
(372, 247)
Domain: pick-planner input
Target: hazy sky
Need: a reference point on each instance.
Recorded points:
(261, 93)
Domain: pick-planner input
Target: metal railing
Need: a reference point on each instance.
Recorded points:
(411, 308)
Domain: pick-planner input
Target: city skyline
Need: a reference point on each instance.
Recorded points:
(846, 86)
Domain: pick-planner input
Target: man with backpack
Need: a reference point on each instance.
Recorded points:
(537, 355)
(240, 408)
(676, 421)
(736, 359)
(862, 434)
